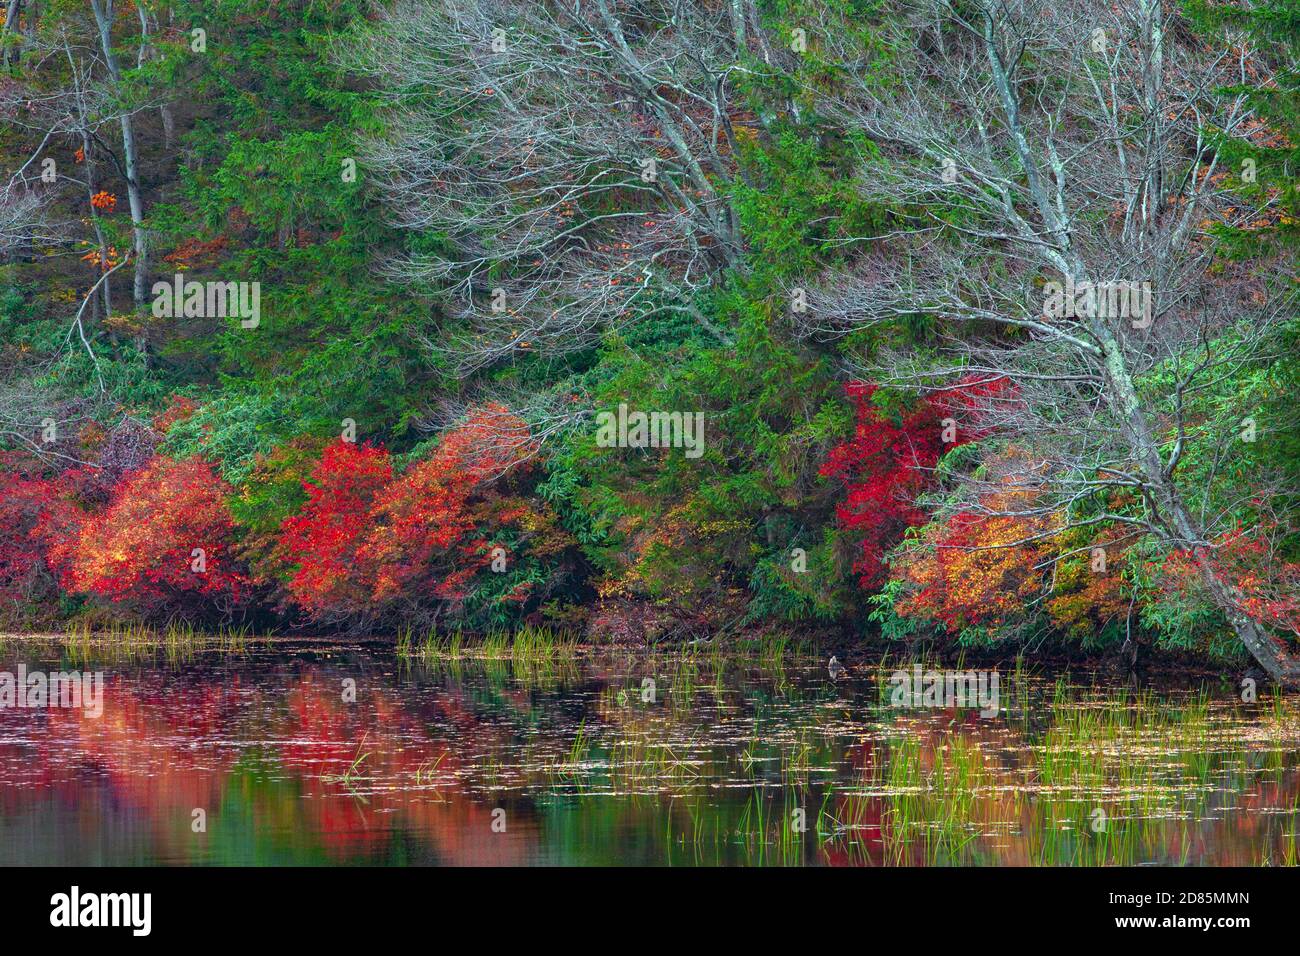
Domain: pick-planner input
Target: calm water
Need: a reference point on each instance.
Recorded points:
(581, 761)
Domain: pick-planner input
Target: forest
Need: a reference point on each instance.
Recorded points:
(965, 324)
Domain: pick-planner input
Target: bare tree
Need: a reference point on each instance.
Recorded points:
(104, 13)
(1070, 161)
(13, 10)
(20, 209)
(77, 108)
(75, 90)
(499, 410)
(575, 155)
(61, 101)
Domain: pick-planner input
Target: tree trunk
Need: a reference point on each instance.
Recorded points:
(141, 285)
(104, 18)
(738, 12)
(1271, 654)
(168, 125)
(94, 218)
(11, 23)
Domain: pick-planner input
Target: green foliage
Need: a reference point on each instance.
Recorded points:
(798, 208)
(893, 626)
(670, 526)
(232, 428)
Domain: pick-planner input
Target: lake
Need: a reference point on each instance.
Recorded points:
(324, 752)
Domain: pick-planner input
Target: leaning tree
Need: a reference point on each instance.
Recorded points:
(1043, 156)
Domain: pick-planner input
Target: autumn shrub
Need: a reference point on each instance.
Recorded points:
(164, 544)
(1008, 567)
(179, 409)
(422, 519)
(1091, 603)
(885, 467)
(370, 543)
(325, 535)
(25, 498)
(1264, 584)
(890, 460)
(974, 573)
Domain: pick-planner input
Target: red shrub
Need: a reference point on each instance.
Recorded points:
(178, 410)
(1262, 583)
(888, 463)
(22, 500)
(37, 514)
(165, 541)
(366, 539)
(327, 533)
(426, 512)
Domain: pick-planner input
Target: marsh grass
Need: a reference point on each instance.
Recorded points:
(727, 748)
(768, 830)
(527, 645)
(1071, 776)
(84, 644)
(353, 774)
(1103, 784)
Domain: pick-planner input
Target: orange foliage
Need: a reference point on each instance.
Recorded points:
(164, 541)
(978, 569)
(365, 539)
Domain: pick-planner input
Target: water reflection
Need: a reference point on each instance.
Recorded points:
(582, 761)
